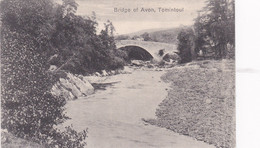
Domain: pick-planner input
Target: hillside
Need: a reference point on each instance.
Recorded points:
(159, 35)
(166, 36)
(138, 33)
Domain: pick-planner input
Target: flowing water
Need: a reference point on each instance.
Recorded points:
(113, 115)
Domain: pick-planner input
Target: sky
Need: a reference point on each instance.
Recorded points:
(133, 21)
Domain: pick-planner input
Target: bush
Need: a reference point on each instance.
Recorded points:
(68, 138)
(121, 54)
(185, 46)
(116, 63)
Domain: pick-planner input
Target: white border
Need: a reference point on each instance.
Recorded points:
(248, 73)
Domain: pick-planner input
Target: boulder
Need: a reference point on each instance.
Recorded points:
(58, 90)
(150, 66)
(104, 73)
(113, 72)
(83, 86)
(72, 87)
(127, 70)
(137, 63)
(171, 57)
(97, 74)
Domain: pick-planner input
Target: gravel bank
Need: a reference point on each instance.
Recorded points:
(201, 102)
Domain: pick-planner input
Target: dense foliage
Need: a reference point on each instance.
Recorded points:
(35, 35)
(186, 45)
(215, 29)
(79, 48)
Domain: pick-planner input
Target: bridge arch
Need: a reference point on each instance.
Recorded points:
(136, 53)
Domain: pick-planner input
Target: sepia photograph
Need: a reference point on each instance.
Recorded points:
(118, 74)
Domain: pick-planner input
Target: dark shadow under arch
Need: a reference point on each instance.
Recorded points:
(137, 53)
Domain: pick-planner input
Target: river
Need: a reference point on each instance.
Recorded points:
(114, 115)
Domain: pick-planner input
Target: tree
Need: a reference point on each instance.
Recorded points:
(107, 35)
(231, 29)
(114, 58)
(146, 36)
(80, 49)
(185, 44)
(28, 108)
(215, 27)
(69, 7)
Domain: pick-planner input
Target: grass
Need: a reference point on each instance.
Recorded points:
(201, 102)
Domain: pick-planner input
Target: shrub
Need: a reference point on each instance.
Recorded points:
(116, 63)
(68, 138)
(185, 46)
(121, 54)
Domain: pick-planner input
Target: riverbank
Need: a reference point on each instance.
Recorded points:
(114, 113)
(201, 102)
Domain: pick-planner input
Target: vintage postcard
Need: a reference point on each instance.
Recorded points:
(118, 73)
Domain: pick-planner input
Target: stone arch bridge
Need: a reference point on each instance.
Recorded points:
(152, 48)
